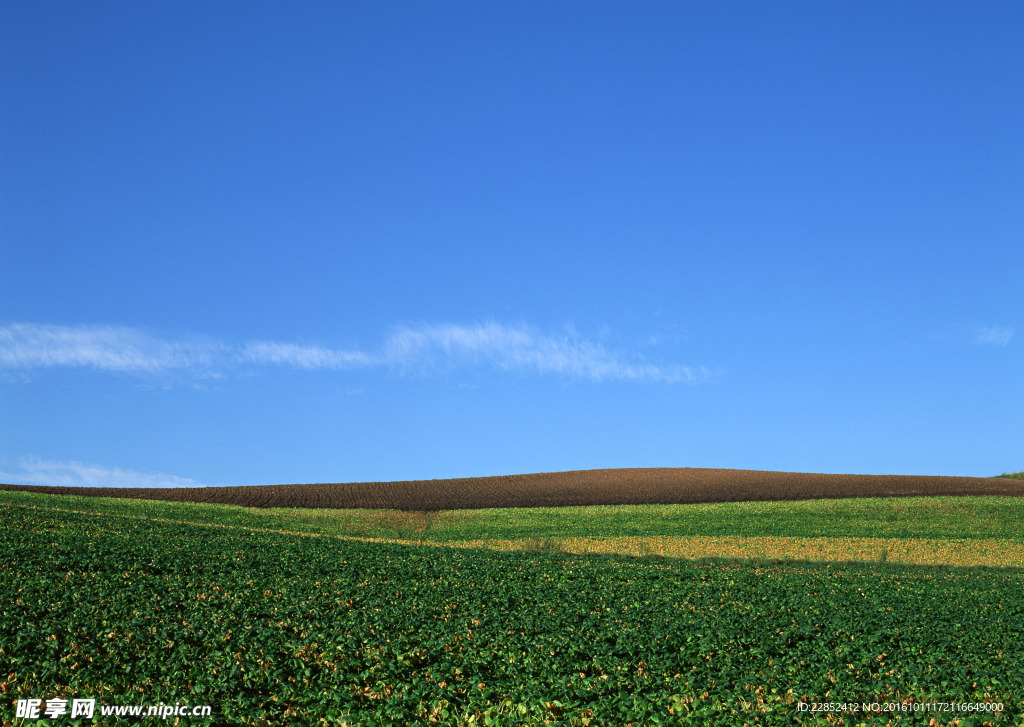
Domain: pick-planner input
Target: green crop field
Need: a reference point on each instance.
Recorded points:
(950, 518)
(956, 531)
(142, 602)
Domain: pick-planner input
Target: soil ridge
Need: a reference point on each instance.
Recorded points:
(628, 486)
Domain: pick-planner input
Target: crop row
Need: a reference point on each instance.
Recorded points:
(680, 485)
(915, 527)
(963, 553)
(962, 531)
(275, 629)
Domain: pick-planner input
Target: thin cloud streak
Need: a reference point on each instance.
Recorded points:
(35, 471)
(110, 348)
(424, 347)
(993, 336)
(521, 348)
(305, 357)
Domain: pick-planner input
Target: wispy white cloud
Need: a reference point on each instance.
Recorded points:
(111, 348)
(424, 347)
(521, 348)
(35, 471)
(993, 336)
(305, 357)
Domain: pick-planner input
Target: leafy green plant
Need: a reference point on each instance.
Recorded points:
(547, 544)
(279, 628)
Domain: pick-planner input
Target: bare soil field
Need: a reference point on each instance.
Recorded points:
(640, 486)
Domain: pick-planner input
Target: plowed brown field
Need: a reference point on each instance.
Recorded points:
(664, 486)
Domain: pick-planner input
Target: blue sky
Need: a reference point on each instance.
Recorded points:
(257, 243)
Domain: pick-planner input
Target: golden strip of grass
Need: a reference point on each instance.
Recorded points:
(992, 552)
(987, 552)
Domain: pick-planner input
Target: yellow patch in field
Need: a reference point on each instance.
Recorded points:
(989, 552)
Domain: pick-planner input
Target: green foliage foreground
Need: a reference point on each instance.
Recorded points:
(273, 629)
